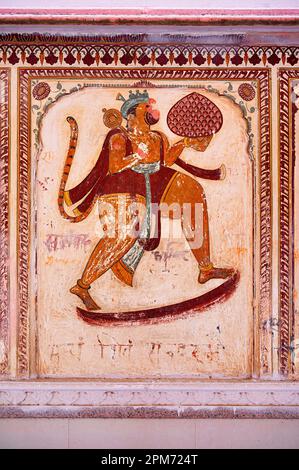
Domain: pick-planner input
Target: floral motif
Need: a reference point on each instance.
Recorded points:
(41, 91)
(246, 91)
(96, 49)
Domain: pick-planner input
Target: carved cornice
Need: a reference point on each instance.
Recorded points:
(150, 16)
(150, 399)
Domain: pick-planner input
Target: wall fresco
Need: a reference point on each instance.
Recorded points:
(161, 274)
(111, 284)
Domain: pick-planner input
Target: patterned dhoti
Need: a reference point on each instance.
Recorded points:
(119, 215)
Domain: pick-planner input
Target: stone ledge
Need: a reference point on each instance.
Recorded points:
(149, 399)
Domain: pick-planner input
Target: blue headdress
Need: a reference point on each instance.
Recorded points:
(134, 98)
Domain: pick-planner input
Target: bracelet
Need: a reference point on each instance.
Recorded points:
(206, 267)
(186, 142)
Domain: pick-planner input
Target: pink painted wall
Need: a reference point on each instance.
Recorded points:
(202, 4)
(140, 433)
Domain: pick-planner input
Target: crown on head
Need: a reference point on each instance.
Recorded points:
(134, 98)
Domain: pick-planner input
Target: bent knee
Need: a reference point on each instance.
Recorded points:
(188, 189)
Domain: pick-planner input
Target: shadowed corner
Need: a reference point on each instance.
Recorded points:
(166, 313)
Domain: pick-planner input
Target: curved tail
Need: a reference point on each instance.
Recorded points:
(66, 170)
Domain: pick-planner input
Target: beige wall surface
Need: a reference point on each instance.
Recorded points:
(198, 346)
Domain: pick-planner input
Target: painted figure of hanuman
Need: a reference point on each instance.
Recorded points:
(136, 163)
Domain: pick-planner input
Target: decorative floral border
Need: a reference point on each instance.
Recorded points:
(262, 76)
(4, 217)
(135, 51)
(287, 110)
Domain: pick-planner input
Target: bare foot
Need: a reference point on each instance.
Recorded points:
(214, 273)
(85, 296)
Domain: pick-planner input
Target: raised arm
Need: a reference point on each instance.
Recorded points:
(171, 153)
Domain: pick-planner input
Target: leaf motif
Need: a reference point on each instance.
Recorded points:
(230, 87)
(241, 104)
(233, 98)
(59, 94)
(49, 101)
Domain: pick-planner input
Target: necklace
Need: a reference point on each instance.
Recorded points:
(138, 136)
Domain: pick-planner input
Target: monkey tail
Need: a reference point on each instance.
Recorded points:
(66, 171)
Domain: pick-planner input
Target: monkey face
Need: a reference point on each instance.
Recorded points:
(147, 113)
